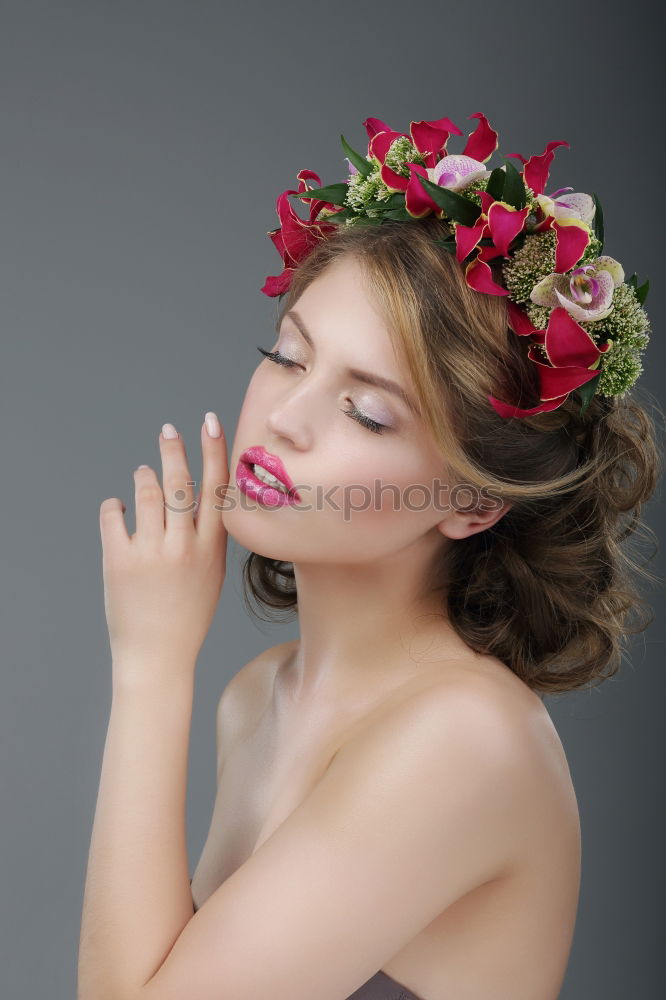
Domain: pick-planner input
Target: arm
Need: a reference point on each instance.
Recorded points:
(161, 589)
(137, 896)
(413, 813)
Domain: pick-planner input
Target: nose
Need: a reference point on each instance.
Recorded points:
(291, 416)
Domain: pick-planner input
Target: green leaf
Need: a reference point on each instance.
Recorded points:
(455, 205)
(587, 391)
(365, 220)
(397, 200)
(384, 205)
(514, 190)
(495, 185)
(362, 165)
(345, 213)
(335, 193)
(598, 222)
(449, 245)
(641, 292)
(401, 214)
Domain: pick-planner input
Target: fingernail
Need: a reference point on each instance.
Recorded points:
(169, 431)
(213, 425)
(142, 466)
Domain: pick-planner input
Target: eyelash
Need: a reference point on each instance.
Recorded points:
(354, 413)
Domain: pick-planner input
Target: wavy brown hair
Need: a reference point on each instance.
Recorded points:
(549, 589)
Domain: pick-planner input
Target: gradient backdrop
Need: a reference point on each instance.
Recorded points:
(142, 146)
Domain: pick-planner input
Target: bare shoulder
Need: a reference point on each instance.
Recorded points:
(483, 723)
(463, 708)
(501, 710)
(246, 694)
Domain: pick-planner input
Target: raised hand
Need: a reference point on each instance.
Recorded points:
(162, 584)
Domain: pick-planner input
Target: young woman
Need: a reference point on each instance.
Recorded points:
(395, 817)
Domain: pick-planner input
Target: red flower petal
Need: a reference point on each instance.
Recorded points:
(488, 253)
(417, 201)
(537, 168)
(445, 125)
(430, 138)
(519, 156)
(467, 237)
(381, 143)
(562, 379)
(306, 175)
(279, 283)
(486, 201)
(479, 277)
(519, 321)
(572, 238)
(314, 204)
(543, 224)
(505, 223)
(296, 236)
(567, 343)
(374, 125)
(506, 410)
(394, 181)
(482, 142)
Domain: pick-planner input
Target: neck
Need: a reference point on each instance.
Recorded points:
(361, 622)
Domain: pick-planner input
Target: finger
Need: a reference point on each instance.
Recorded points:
(149, 505)
(113, 529)
(178, 483)
(215, 479)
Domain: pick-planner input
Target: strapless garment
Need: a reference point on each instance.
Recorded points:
(380, 987)
(383, 987)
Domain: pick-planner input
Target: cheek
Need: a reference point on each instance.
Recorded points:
(389, 481)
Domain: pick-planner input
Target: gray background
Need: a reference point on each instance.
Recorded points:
(143, 145)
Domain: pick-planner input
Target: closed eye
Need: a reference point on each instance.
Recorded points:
(280, 359)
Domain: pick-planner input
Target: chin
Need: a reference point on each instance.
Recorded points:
(259, 531)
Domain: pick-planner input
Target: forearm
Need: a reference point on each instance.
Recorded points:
(137, 896)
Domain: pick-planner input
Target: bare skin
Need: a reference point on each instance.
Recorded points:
(386, 798)
(507, 938)
(378, 735)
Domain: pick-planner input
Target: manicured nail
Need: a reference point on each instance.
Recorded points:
(142, 466)
(169, 431)
(213, 425)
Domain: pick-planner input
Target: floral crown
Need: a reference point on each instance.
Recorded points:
(586, 324)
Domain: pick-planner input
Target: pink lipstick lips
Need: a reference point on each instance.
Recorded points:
(265, 493)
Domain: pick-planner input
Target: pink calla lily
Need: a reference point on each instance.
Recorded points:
(483, 141)
(296, 237)
(505, 222)
(502, 223)
(537, 168)
(573, 236)
(417, 200)
(479, 277)
(574, 360)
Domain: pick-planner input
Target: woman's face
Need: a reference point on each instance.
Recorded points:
(364, 494)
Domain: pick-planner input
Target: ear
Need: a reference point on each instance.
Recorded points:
(461, 523)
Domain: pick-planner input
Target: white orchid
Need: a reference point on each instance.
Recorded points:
(586, 293)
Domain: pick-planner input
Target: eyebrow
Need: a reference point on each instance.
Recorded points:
(360, 376)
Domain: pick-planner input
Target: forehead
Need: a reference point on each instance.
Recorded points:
(338, 305)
